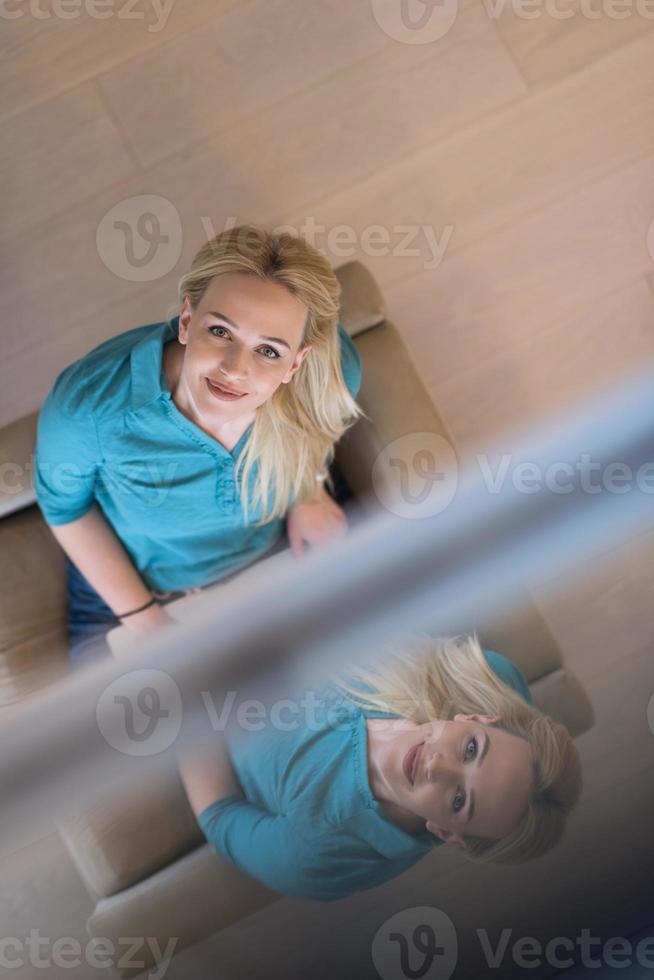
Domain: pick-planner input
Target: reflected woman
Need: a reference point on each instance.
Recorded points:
(439, 742)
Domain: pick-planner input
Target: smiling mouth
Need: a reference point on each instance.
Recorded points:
(222, 392)
(410, 763)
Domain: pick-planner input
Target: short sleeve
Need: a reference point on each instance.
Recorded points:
(350, 362)
(508, 672)
(66, 462)
(265, 846)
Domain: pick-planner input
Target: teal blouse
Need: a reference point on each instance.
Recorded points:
(309, 826)
(110, 432)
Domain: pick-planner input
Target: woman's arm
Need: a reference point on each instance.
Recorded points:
(94, 548)
(207, 772)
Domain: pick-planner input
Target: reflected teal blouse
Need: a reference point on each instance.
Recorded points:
(309, 826)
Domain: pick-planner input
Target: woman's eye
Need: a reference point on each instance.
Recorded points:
(472, 741)
(460, 796)
(275, 354)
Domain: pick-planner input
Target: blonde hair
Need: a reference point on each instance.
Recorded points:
(436, 678)
(295, 430)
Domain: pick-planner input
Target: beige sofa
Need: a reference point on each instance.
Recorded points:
(144, 861)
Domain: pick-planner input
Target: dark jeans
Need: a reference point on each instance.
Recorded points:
(89, 619)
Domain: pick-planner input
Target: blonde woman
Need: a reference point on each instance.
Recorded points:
(175, 454)
(438, 743)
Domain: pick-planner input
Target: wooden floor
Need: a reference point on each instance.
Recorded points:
(519, 152)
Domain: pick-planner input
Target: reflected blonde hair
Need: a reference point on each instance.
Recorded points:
(295, 430)
(435, 679)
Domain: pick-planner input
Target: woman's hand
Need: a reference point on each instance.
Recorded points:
(315, 523)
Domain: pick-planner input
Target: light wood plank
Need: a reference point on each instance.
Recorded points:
(71, 268)
(547, 48)
(513, 284)
(425, 96)
(551, 370)
(53, 350)
(258, 154)
(55, 155)
(213, 77)
(606, 612)
(486, 177)
(344, 49)
(46, 56)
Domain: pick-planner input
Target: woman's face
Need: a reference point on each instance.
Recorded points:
(245, 335)
(468, 778)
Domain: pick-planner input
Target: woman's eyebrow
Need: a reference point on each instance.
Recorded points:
(471, 807)
(221, 316)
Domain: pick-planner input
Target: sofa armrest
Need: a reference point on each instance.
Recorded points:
(397, 403)
(182, 904)
(33, 633)
(17, 444)
(362, 303)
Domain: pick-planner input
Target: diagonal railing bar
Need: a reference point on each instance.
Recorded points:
(388, 578)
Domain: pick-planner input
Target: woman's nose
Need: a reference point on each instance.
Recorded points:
(441, 768)
(234, 365)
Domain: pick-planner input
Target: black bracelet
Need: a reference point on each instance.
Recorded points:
(140, 609)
